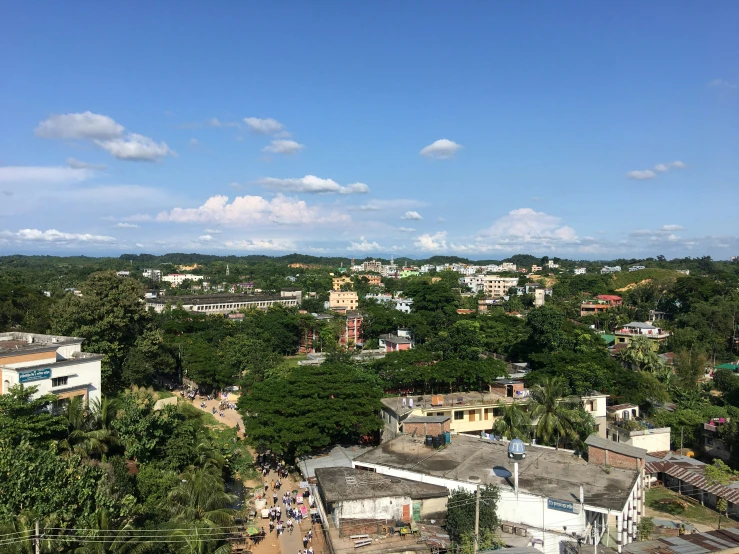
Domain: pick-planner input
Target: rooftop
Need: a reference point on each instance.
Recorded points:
(338, 456)
(13, 343)
(395, 339)
(455, 399)
(617, 447)
(426, 419)
(699, 543)
(201, 299)
(341, 483)
(545, 471)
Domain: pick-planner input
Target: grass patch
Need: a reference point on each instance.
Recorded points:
(670, 504)
(627, 278)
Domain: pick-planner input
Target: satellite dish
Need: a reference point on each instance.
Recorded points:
(516, 449)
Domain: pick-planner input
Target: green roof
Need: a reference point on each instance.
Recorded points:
(608, 338)
(732, 367)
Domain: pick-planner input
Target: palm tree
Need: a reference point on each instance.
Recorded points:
(640, 355)
(555, 416)
(514, 423)
(201, 497)
(105, 538)
(23, 529)
(88, 428)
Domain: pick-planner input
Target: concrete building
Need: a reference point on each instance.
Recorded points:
(153, 274)
(374, 280)
(549, 495)
(580, 270)
(656, 335)
(427, 425)
(372, 265)
(610, 269)
(646, 438)
(539, 295)
(612, 299)
(338, 282)
(536, 268)
(637, 268)
(394, 343)
(342, 300)
(593, 308)
(495, 286)
(123, 273)
(722, 541)
(351, 332)
(595, 404)
(403, 304)
(361, 502)
(53, 363)
(222, 303)
(176, 279)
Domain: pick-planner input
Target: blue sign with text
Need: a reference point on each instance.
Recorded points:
(562, 506)
(34, 375)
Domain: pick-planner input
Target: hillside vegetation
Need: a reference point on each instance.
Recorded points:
(626, 279)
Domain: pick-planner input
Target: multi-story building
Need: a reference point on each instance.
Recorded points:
(225, 303)
(338, 282)
(176, 279)
(351, 332)
(372, 265)
(53, 363)
(638, 329)
(610, 269)
(497, 287)
(552, 265)
(593, 308)
(613, 300)
(536, 268)
(342, 300)
(403, 304)
(539, 297)
(394, 342)
(374, 280)
(123, 273)
(153, 274)
(637, 268)
(580, 270)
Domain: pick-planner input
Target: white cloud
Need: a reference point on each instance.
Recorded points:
(442, 149)
(136, 147)
(261, 244)
(406, 230)
(215, 122)
(412, 216)
(77, 164)
(43, 175)
(123, 225)
(283, 147)
(194, 142)
(722, 84)
(312, 185)
(266, 126)
(213, 231)
(677, 164)
(377, 205)
(537, 198)
(235, 185)
(85, 125)
(364, 246)
(671, 228)
(527, 226)
(247, 210)
(641, 233)
(52, 235)
(427, 241)
(641, 175)
(139, 245)
(205, 238)
(661, 168)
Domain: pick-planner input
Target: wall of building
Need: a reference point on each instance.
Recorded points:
(423, 429)
(370, 508)
(83, 379)
(601, 457)
(651, 441)
(33, 358)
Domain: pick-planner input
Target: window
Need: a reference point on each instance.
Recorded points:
(59, 381)
(472, 415)
(487, 414)
(459, 414)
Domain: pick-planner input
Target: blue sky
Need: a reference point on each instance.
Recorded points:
(578, 129)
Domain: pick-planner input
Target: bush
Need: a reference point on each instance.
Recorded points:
(725, 380)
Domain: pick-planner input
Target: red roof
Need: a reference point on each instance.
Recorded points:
(609, 297)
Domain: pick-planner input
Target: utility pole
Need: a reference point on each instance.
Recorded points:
(477, 518)
(37, 539)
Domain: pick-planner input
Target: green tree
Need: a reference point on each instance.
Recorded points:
(248, 358)
(298, 413)
(88, 428)
(558, 418)
(547, 326)
(109, 315)
(147, 358)
(640, 355)
(645, 528)
(461, 512)
(725, 380)
(513, 423)
(719, 474)
(23, 418)
(689, 367)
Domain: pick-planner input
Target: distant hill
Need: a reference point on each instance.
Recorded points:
(625, 280)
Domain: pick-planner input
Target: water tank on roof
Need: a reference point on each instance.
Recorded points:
(516, 449)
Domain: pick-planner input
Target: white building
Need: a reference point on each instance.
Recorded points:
(153, 274)
(225, 303)
(123, 273)
(609, 269)
(552, 265)
(403, 304)
(53, 363)
(176, 279)
(581, 270)
(539, 297)
(637, 267)
(550, 493)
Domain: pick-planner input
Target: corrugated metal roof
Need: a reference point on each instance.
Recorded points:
(693, 475)
(698, 543)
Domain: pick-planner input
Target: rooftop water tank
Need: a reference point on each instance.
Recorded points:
(516, 449)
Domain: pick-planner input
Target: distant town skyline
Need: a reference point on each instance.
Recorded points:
(578, 130)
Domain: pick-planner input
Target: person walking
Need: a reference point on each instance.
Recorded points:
(305, 541)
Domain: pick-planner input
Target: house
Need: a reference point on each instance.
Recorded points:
(595, 404)
(360, 502)
(374, 280)
(338, 282)
(580, 270)
(539, 297)
(310, 338)
(623, 412)
(548, 495)
(552, 265)
(342, 300)
(55, 364)
(637, 267)
(395, 342)
(636, 329)
(176, 279)
(153, 274)
(403, 304)
(608, 269)
(123, 273)
(495, 286)
(593, 308)
(603, 452)
(713, 445)
(636, 433)
(722, 541)
(224, 303)
(536, 268)
(611, 299)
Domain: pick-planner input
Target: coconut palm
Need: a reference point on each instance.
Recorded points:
(106, 538)
(640, 355)
(514, 423)
(88, 428)
(200, 497)
(556, 417)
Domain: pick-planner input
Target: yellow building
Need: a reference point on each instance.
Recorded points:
(343, 300)
(338, 282)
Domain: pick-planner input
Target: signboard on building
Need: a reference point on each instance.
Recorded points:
(562, 506)
(34, 375)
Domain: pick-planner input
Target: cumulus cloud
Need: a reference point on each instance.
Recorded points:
(247, 210)
(205, 238)
(135, 147)
(123, 225)
(412, 216)
(261, 244)
(104, 132)
(643, 174)
(266, 126)
(427, 241)
(364, 246)
(86, 125)
(283, 147)
(77, 164)
(525, 225)
(313, 185)
(52, 235)
(442, 149)
(43, 175)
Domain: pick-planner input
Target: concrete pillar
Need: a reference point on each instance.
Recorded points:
(618, 532)
(629, 523)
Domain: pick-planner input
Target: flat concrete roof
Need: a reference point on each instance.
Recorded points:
(13, 343)
(544, 472)
(338, 456)
(341, 483)
(617, 447)
(459, 400)
(202, 299)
